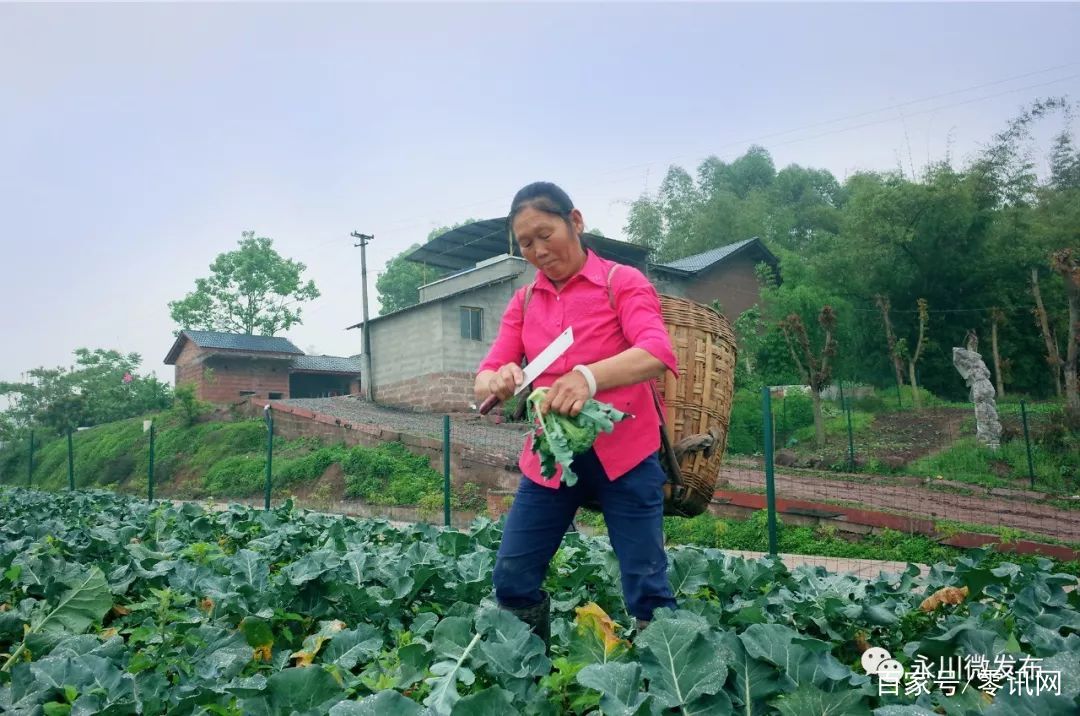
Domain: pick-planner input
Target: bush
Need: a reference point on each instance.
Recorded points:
(12, 464)
(745, 434)
(309, 467)
(187, 406)
(388, 474)
(220, 441)
(873, 403)
(468, 497)
(907, 400)
(794, 411)
(236, 476)
(117, 471)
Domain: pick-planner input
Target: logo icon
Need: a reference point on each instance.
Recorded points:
(879, 662)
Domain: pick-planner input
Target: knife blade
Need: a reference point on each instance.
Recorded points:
(537, 365)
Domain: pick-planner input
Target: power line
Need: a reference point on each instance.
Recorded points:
(408, 224)
(900, 105)
(933, 109)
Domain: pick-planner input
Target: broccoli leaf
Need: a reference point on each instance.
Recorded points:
(558, 439)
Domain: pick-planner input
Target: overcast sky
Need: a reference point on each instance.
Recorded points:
(139, 141)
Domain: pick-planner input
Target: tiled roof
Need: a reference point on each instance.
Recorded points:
(701, 261)
(239, 342)
(325, 364)
(242, 342)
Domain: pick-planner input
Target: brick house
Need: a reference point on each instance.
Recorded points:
(229, 367)
(425, 356)
(725, 274)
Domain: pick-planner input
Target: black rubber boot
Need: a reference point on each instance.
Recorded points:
(538, 617)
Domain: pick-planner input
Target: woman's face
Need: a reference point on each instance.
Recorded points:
(549, 244)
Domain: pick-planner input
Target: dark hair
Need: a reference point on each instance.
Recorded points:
(542, 196)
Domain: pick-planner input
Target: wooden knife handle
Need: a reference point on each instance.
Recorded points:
(490, 402)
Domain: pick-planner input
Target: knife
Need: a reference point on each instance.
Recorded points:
(537, 365)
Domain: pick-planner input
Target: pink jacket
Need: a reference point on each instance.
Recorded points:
(599, 332)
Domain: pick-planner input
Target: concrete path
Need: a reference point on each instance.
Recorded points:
(864, 568)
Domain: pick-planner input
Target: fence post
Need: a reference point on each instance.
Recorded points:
(446, 468)
(850, 437)
(150, 469)
(770, 487)
(1027, 441)
(71, 463)
(269, 454)
(30, 472)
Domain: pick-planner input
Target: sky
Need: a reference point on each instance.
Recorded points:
(139, 140)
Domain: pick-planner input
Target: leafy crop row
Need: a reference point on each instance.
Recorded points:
(112, 606)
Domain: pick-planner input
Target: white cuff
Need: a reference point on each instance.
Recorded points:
(589, 378)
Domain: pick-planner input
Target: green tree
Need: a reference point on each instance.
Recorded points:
(806, 205)
(251, 290)
(730, 202)
(399, 284)
(645, 226)
(102, 386)
(1066, 263)
(814, 366)
(64, 414)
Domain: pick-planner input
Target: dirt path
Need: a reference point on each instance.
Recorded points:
(876, 493)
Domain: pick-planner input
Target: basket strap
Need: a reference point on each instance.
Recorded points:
(528, 297)
(610, 294)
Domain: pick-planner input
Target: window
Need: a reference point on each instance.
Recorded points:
(246, 393)
(471, 320)
(276, 396)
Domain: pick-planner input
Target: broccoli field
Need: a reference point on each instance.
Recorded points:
(109, 605)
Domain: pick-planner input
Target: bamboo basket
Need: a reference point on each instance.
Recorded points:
(696, 404)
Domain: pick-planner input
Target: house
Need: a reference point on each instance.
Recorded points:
(227, 367)
(725, 274)
(425, 356)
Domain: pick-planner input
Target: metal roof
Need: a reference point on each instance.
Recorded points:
(232, 342)
(699, 262)
(325, 364)
(433, 301)
(462, 247)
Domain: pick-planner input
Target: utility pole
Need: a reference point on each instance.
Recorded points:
(369, 383)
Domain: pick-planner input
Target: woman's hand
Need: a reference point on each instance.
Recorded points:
(501, 383)
(567, 395)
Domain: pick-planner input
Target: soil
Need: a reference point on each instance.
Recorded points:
(894, 440)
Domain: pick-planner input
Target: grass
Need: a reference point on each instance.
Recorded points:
(752, 535)
(836, 426)
(969, 461)
(228, 459)
(1055, 453)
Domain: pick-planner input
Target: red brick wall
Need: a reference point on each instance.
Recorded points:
(434, 392)
(233, 375)
(220, 379)
(189, 368)
(732, 283)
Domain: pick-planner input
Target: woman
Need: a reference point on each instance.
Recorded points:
(620, 344)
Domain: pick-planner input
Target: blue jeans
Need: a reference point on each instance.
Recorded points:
(633, 508)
